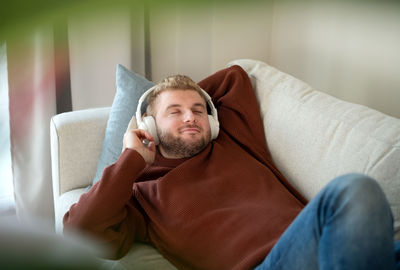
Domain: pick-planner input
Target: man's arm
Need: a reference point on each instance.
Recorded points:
(238, 109)
(108, 211)
(239, 115)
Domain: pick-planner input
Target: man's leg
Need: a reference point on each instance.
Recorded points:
(348, 225)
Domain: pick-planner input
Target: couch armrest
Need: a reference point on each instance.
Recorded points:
(76, 142)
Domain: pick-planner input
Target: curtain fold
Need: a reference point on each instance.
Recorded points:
(6, 187)
(32, 102)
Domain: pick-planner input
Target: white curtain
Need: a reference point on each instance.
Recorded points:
(6, 187)
(35, 63)
(32, 102)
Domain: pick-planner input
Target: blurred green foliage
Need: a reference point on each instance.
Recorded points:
(17, 16)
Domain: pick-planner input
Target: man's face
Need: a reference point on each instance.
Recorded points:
(182, 123)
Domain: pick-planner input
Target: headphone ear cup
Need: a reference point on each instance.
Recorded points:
(149, 124)
(214, 127)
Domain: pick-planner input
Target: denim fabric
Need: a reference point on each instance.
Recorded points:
(397, 254)
(348, 225)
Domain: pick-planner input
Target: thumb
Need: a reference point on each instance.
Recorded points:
(152, 146)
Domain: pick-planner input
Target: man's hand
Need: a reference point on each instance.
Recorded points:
(133, 140)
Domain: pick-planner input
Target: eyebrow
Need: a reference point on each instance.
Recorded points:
(178, 105)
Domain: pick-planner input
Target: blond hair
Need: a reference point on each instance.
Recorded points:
(174, 82)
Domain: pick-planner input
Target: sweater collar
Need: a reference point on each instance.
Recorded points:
(168, 162)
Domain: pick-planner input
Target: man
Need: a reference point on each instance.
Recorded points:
(222, 204)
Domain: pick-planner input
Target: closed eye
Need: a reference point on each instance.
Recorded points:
(198, 108)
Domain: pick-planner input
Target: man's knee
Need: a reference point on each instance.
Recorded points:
(361, 189)
(356, 182)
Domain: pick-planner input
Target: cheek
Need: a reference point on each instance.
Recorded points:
(206, 123)
(166, 124)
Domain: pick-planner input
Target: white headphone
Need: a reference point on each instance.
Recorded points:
(149, 124)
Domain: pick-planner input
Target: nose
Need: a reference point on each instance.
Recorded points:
(189, 117)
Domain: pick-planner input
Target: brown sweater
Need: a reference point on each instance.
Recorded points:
(224, 208)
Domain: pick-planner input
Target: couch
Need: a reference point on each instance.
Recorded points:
(312, 137)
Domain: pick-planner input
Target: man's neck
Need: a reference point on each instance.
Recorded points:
(161, 160)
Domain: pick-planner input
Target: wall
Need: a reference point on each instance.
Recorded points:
(97, 44)
(347, 49)
(198, 40)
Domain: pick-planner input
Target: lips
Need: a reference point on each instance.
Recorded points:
(190, 129)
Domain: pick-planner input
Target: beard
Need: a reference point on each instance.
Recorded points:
(179, 148)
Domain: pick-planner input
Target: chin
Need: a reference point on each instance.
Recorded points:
(193, 140)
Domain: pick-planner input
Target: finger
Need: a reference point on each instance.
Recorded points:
(140, 133)
(148, 136)
(152, 146)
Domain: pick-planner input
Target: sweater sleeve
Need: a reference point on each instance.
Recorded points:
(239, 116)
(108, 212)
(238, 109)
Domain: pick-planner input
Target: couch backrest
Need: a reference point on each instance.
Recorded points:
(314, 137)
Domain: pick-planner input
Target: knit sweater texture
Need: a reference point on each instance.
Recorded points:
(223, 208)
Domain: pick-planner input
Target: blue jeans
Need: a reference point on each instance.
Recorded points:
(348, 225)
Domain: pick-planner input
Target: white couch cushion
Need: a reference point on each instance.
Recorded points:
(314, 137)
(140, 256)
(64, 203)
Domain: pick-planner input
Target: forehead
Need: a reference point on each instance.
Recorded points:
(179, 97)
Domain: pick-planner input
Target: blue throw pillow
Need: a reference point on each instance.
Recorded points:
(130, 87)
